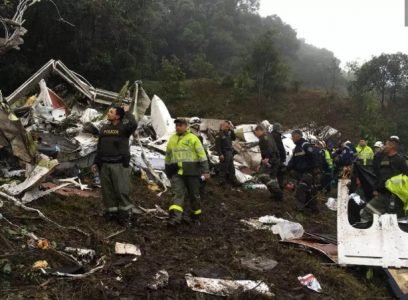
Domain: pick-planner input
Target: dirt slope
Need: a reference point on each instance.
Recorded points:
(213, 249)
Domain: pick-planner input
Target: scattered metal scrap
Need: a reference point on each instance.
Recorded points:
(221, 287)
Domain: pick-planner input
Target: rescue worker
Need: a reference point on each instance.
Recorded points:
(223, 146)
(378, 147)
(378, 156)
(365, 154)
(270, 163)
(327, 166)
(277, 136)
(112, 161)
(304, 168)
(186, 162)
(195, 125)
(346, 155)
(392, 164)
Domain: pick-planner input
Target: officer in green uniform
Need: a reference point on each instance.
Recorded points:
(270, 163)
(223, 146)
(391, 164)
(112, 160)
(186, 162)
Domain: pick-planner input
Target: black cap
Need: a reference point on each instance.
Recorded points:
(181, 121)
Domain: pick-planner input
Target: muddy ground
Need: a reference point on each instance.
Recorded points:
(212, 249)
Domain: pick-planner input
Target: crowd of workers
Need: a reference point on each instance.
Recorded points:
(314, 167)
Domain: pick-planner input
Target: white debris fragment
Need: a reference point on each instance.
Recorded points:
(156, 159)
(357, 199)
(255, 186)
(310, 282)
(36, 193)
(332, 204)
(162, 122)
(88, 142)
(122, 248)
(9, 174)
(160, 280)
(245, 132)
(74, 181)
(287, 230)
(221, 287)
(89, 115)
(43, 168)
(84, 255)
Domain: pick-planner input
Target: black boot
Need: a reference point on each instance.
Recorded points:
(174, 219)
(125, 218)
(110, 216)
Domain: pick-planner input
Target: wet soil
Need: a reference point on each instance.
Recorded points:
(212, 248)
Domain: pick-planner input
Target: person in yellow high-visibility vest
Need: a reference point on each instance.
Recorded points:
(365, 153)
(186, 162)
(392, 164)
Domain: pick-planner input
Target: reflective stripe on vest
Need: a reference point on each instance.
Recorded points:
(398, 185)
(176, 208)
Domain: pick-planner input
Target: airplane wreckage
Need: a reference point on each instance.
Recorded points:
(55, 130)
(49, 136)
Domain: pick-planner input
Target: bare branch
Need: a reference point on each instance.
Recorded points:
(13, 28)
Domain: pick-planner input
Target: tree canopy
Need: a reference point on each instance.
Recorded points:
(114, 41)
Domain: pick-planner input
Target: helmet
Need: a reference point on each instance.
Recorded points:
(195, 121)
(378, 144)
(395, 137)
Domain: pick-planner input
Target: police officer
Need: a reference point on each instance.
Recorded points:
(195, 126)
(270, 163)
(223, 146)
(186, 162)
(365, 153)
(327, 166)
(304, 168)
(112, 160)
(392, 164)
(346, 155)
(277, 136)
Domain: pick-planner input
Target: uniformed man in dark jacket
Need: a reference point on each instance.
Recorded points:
(112, 160)
(277, 136)
(270, 163)
(223, 146)
(304, 168)
(391, 164)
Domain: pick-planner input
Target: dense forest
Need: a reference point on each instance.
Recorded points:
(218, 52)
(110, 42)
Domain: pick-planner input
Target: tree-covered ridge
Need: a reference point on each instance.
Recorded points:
(114, 41)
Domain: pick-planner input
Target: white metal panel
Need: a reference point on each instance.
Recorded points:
(384, 244)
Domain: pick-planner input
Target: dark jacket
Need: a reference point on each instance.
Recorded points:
(281, 148)
(113, 143)
(223, 141)
(347, 156)
(389, 167)
(269, 149)
(304, 157)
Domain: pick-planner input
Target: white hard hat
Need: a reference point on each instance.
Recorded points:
(395, 137)
(378, 144)
(194, 121)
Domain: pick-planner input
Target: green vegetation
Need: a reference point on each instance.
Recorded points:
(217, 52)
(116, 41)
